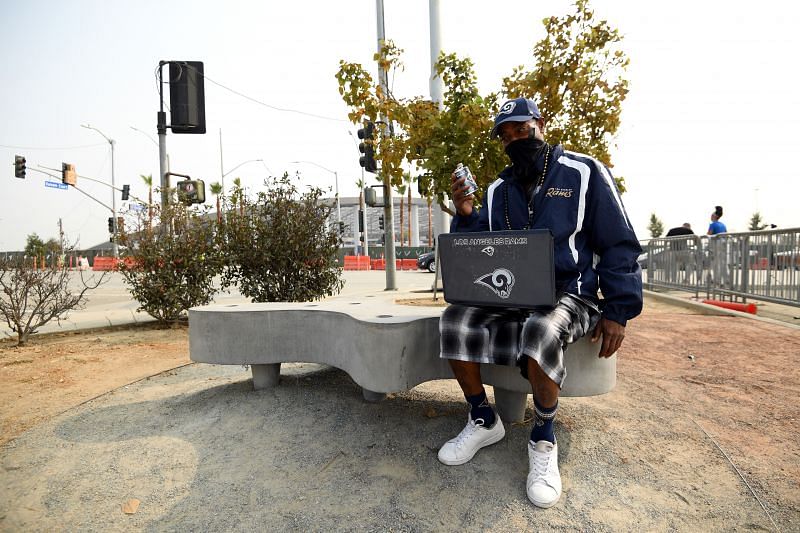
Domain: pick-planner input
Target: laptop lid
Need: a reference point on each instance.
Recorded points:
(512, 269)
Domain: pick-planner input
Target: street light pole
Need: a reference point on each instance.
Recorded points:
(114, 247)
(336, 177)
(151, 140)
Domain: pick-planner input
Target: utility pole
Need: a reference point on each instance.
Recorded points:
(388, 205)
(221, 169)
(61, 236)
(161, 126)
(437, 89)
(114, 246)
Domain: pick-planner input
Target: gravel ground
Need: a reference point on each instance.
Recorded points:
(202, 451)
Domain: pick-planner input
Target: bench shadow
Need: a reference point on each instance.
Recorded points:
(310, 452)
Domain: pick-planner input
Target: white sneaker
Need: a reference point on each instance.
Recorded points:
(472, 438)
(544, 481)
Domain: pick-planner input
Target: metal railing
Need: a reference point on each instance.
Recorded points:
(764, 265)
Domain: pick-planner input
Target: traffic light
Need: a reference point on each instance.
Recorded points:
(341, 228)
(187, 97)
(68, 175)
(126, 191)
(360, 220)
(111, 225)
(191, 191)
(370, 197)
(19, 166)
(367, 148)
(380, 221)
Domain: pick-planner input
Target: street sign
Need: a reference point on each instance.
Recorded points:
(56, 185)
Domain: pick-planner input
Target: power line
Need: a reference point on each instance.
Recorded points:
(263, 103)
(53, 148)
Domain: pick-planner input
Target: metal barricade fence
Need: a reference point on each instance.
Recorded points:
(762, 264)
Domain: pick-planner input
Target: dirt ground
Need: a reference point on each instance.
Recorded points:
(697, 398)
(56, 372)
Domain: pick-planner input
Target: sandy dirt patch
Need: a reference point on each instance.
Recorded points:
(200, 450)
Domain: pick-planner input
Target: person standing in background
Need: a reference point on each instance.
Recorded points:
(716, 227)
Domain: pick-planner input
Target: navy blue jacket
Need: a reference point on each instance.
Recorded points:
(594, 243)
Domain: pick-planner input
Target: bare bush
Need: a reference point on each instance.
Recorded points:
(32, 297)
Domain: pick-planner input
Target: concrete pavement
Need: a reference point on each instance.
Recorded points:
(111, 303)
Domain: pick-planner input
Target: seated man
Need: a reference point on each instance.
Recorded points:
(575, 197)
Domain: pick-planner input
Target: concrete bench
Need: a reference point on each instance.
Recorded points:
(384, 348)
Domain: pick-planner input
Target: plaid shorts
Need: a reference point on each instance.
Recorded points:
(509, 337)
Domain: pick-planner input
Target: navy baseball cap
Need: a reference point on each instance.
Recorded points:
(516, 110)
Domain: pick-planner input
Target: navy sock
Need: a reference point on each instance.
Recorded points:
(543, 423)
(481, 412)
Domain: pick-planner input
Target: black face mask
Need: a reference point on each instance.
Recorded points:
(523, 154)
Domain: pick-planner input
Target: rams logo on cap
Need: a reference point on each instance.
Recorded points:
(508, 107)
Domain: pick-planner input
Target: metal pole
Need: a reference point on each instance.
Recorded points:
(338, 203)
(437, 92)
(221, 170)
(388, 206)
(162, 159)
(161, 126)
(114, 246)
(363, 207)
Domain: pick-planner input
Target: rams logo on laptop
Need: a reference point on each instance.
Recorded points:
(489, 250)
(501, 281)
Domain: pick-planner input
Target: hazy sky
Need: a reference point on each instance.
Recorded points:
(712, 118)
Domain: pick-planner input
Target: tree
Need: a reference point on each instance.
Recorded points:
(30, 298)
(421, 133)
(171, 265)
(148, 180)
(577, 82)
(278, 247)
(656, 227)
(216, 190)
(34, 246)
(756, 222)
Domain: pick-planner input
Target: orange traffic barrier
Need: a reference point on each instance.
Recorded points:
(356, 262)
(111, 263)
(744, 308)
(409, 264)
(378, 264)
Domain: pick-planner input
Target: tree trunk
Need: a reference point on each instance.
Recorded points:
(401, 220)
(409, 215)
(430, 223)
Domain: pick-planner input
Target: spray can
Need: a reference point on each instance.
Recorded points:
(469, 181)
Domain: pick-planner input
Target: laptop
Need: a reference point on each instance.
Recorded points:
(510, 269)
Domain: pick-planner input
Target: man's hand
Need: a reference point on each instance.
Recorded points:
(463, 203)
(612, 333)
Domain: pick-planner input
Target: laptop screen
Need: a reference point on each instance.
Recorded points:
(510, 269)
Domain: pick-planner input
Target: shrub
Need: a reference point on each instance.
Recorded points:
(278, 247)
(174, 256)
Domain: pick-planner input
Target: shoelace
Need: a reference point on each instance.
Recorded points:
(541, 463)
(466, 433)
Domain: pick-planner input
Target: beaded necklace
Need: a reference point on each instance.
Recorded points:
(533, 195)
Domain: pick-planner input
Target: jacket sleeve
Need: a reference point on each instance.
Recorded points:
(614, 242)
(477, 221)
